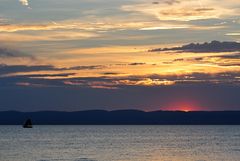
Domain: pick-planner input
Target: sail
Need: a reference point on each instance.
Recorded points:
(28, 123)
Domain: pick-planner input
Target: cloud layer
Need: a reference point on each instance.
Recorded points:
(184, 10)
(214, 46)
(215, 92)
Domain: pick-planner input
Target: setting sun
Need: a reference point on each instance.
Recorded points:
(183, 105)
(186, 109)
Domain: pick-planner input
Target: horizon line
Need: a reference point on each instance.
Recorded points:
(136, 110)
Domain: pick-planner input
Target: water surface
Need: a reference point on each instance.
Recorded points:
(120, 143)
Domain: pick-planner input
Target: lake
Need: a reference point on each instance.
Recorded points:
(120, 143)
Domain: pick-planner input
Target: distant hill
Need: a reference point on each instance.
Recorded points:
(121, 117)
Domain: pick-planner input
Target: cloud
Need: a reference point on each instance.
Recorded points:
(47, 36)
(118, 82)
(105, 25)
(227, 61)
(214, 46)
(24, 2)
(135, 64)
(135, 88)
(166, 27)
(111, 73)
(75, 28)
(146, 82)
(228, 56)
(35, 27)
(12, 53)
(91, 67)
(156, 80)
(33, 97)
(185, 10)
(172, 2)
(6, 69)
(64, 75)
(12, 70)
(4, 52)
(233, 34)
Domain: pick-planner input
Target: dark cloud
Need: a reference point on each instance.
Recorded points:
(180, 59)
(234, 57)
(225, 60)
(11, 53)
(111, 73)
(229, 64)
(11, 69)
(155, 2)
(6, 69)
(214, 46)
(204, 9)
(84, 67)
(133, 64)
(198, 59)
(230, 56)
(4, 52)
(49, 75)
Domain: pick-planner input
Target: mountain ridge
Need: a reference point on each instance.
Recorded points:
(122, 117)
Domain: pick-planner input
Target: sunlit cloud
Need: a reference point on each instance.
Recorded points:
(164, 28)
(104, 26)
(116, 83)
(189, 27)
(146, 82)
(103, 29)
(31, 27)
(183, 10)
(107, 50)
(233, 34)
(24, 2)
(48, 36)
(120, 82)
(70, 25)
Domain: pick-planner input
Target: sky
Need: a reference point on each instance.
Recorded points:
(73, 55)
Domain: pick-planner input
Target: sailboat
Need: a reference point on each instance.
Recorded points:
(28, 124)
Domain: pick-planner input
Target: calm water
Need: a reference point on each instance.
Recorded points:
(120, 143)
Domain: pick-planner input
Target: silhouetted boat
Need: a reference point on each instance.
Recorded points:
(28, 124)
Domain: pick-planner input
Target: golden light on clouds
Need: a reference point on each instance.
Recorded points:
(185, 10)
(120, 44)
(24, 2)
(47, 36)
(233, 34)
(147, 82)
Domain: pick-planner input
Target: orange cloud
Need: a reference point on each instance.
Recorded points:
(47, 36)
(146, 82)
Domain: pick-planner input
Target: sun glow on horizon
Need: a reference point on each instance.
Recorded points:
(186, 106)
(180, 109)
(186, 109)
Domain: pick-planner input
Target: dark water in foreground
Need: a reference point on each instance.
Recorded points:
(120, 143)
